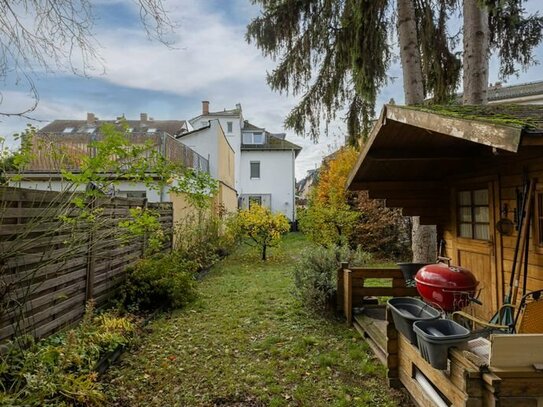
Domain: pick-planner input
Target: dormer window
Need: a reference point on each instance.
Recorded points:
(68, 130)
(256, 137)
(90, 130)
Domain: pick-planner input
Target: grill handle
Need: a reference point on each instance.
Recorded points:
(443, 259)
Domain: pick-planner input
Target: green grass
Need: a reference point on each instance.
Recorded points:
(247, 342)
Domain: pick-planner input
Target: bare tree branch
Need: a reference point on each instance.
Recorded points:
(58, 35)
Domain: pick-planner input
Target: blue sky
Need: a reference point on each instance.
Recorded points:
(209, 61)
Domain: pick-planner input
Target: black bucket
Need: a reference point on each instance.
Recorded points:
(409, 270)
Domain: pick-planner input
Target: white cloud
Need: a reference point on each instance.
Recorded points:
(45, 112)
(211, 60)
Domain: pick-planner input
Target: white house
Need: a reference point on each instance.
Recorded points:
(264, 164)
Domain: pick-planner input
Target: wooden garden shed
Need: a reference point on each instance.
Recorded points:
(461, 168)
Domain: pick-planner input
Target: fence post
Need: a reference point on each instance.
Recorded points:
(145, 237)
(339, 286)
(89, 292)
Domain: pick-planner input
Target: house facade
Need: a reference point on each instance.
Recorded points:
(211, 142)
(73, 137)
(264, 164)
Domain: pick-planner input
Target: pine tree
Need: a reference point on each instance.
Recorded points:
(336, 54)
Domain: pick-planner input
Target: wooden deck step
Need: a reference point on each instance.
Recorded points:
(371, 324)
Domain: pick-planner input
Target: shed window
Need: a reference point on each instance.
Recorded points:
(255, 169)
(538, 216)
(473, 214)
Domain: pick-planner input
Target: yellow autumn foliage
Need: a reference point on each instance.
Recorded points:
(262, 227)
(329, 220)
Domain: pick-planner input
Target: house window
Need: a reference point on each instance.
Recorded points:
(229, 127)
(474, 214)
(253, 138)
(68, 130)
(255, 200)
(538, 216)
(132, 194)
(255, 169)
(151, 130)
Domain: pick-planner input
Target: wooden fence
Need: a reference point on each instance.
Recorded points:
(53, 258)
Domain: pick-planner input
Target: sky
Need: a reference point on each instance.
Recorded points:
(209, 60)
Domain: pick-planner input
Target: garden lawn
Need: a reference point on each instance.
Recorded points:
(248, 342)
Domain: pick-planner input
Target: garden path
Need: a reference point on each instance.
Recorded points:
(248, 342)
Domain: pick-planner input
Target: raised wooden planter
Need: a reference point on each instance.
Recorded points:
(469, 380)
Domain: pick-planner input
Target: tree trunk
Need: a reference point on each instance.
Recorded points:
(476, 54)
(424, 242)
(409, 53)
(264, 247)
(423, 237)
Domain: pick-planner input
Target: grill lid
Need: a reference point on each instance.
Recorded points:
(448, 277)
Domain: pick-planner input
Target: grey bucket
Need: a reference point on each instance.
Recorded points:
(436, 337)
(406, 311)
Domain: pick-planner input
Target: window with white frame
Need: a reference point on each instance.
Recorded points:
(229, 127)
(255, 169)
(256, 137)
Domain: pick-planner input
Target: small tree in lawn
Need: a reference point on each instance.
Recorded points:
(260, 227)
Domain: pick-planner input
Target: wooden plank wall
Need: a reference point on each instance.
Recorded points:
(506, 179)
(50, 267)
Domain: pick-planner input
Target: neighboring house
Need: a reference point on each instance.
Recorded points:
(304, 186)
(264, 164)
(73, 137)
(530, 93)
(211, 142)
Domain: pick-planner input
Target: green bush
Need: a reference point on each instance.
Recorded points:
(166, 281)
(315, 273)
(202, 238)
(59, 371)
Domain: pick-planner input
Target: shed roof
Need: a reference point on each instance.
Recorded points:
(412, 151)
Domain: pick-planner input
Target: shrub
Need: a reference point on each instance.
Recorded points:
(202, 238)
(165, 281)
(259, 227)
(59, 371)
(315, 273)
(380, 230)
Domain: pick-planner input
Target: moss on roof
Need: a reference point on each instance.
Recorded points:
(527, 117)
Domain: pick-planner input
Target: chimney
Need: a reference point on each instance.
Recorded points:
(205, 107)
(238, 106)
(143, 117)
(91, 118)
